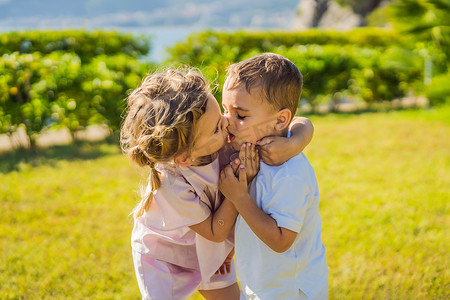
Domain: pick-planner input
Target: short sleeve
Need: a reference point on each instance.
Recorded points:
(288, 202)
(176, 205)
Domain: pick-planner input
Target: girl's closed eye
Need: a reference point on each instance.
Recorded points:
(219, 126)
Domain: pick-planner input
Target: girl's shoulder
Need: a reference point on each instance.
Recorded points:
(177, 203)
(168, 169)
(172, 177)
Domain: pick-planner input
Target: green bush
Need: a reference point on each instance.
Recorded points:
(369, 64)
(206, 47)
(81, 78)
(332, 72)
(107, 81)
(384, 75)
(58, 90)
(86, 44)
(326, 69)
(370, 74)
(26, 78)
(438, 92)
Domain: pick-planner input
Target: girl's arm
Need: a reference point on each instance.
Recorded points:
(218, 225)
(279, 239)
(275, 150)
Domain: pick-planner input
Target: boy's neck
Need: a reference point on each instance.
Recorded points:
(282, 133)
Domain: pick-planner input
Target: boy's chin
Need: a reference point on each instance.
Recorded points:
(235, 145)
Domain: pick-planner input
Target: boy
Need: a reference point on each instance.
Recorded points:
(279, 253)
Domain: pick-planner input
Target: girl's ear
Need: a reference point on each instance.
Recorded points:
(283, 119)
(183, 160)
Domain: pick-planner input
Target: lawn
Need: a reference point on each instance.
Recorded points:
(385, 189)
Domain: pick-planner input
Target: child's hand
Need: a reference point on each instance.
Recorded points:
(276, 150)
(231, 187)
(226, 266)
(249, 157)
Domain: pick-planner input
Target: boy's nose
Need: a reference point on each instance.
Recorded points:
(227, 118)
(225, 122)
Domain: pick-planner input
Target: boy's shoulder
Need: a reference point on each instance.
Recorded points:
(293, 166)
(296, 169)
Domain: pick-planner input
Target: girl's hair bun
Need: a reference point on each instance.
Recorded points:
(151, 145)
(139, 156)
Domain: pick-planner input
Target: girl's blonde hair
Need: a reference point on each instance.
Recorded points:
(160, 122)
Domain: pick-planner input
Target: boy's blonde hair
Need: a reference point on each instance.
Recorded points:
(161, 117)
(277, 78)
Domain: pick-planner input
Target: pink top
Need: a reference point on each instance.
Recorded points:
(187, 196)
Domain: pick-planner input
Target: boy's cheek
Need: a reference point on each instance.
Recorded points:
(245, 134)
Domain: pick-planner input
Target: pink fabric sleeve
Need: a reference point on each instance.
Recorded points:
(176, 205)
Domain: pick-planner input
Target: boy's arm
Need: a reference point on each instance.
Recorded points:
(264, 226)
(218, 225)
(276, 150)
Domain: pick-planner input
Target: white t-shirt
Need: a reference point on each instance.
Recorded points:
(289, 194)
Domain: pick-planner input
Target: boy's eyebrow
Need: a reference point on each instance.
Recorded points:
(236, 107)
(240, 108)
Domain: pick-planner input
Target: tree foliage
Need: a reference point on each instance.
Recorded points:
(427, 21)
(362, 8)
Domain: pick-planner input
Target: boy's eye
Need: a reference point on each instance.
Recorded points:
(241, 117)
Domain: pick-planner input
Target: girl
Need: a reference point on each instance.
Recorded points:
(181, 228)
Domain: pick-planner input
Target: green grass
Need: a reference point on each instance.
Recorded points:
(385, 191)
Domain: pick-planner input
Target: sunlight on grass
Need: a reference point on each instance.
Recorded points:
(385, 186)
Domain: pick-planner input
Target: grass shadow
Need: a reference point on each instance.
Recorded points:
(79, 150)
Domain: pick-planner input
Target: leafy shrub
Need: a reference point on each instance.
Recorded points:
(71, 79)
(81, 78)
(106, 82)
(58, 90)
(438, 92)
(26, 78)
(384, 75)
(326, 69)
(206, 47)
(86, 44)
(371, 64)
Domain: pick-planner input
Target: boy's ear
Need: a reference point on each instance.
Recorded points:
(283, 119)
(183, 160)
